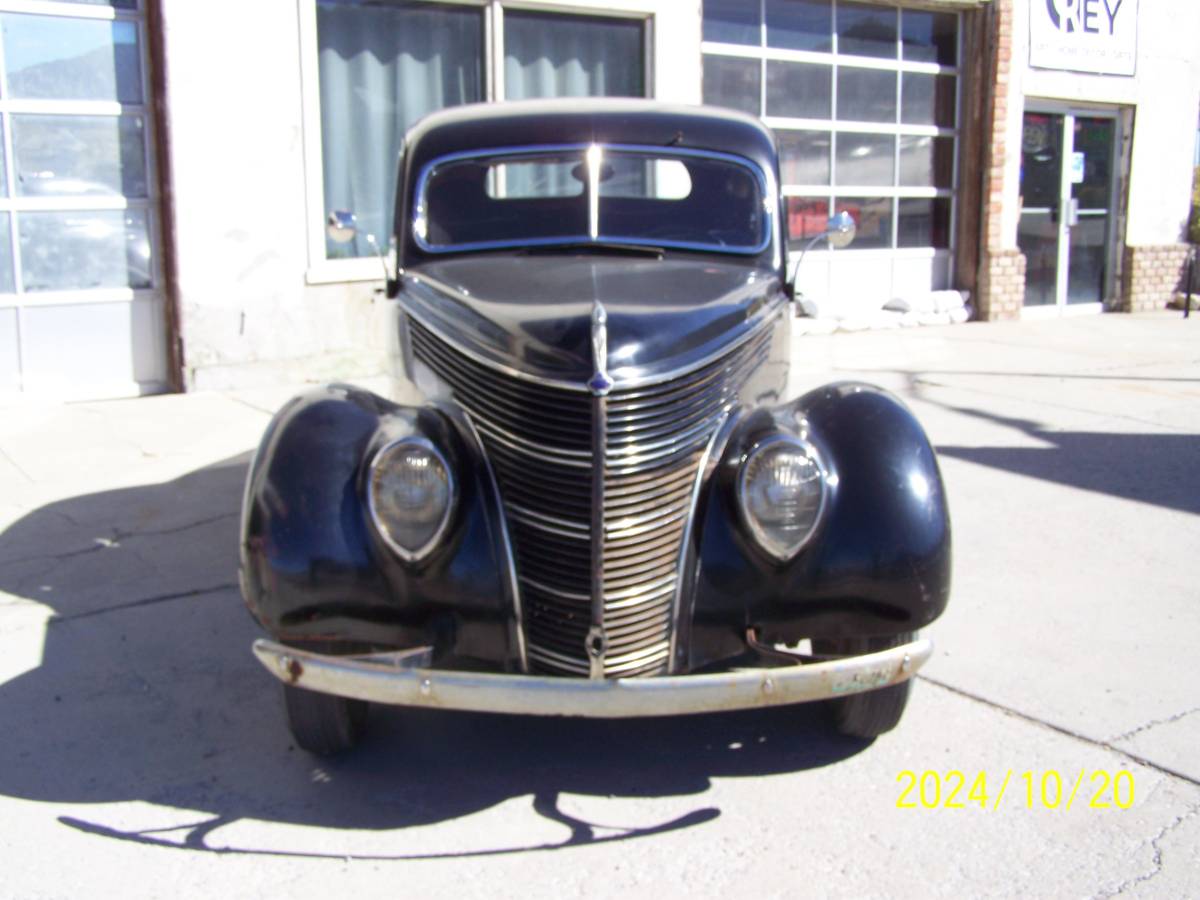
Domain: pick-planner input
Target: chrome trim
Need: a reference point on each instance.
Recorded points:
(748, 520)
(766, 183)
(596, 645)
(510, 561)
(382, 681)
(411, 555)
(686, 557)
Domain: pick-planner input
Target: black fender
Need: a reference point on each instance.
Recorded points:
(878, 564)
(313, 568)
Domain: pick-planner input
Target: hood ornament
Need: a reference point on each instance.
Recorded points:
(600, 383)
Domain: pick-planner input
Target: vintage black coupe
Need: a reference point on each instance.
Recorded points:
(588, 494)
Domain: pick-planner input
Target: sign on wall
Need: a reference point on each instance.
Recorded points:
(1084, 35)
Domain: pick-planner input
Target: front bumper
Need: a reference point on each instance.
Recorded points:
(403, 679)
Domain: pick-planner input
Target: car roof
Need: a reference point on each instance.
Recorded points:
(524, 123)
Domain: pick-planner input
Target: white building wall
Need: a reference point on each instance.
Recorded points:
(254, 306)
(1163, 94)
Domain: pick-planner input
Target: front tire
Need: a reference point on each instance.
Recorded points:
(324, 724)
(870, 713)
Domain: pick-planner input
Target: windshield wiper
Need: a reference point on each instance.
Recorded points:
(597, 246)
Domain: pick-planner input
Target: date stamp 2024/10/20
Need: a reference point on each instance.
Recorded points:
(1098, 789)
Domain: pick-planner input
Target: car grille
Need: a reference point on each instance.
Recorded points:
(539, 441)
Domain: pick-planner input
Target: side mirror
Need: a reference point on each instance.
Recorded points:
(840, 230)
(341, 226)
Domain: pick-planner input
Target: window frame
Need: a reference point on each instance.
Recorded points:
(13, 204)
(322, 270)
(834, 192)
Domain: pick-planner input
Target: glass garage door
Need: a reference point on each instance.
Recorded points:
(81, 313)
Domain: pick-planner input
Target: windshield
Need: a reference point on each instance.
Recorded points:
(593, 194)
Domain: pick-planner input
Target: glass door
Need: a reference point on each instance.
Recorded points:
(1067, 190)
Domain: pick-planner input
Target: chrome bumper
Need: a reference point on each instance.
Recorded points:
(402, 679)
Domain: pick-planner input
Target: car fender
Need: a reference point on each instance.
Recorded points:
(313, 568)
(879, 562)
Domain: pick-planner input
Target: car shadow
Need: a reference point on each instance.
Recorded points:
(1159, 469)
(145, 690)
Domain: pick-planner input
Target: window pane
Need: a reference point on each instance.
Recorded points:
(644, 198)
(732, 22)
(873, 216)
(866, 30)
(710, 202)
(927, 99)
(735, 83)
(865, 158)
(462, 209)
(799, 90)
(929, 36)
(924, 222)
(70, 156)
(3, 167)
(571, 56)
(926, 161)
(804, 156)
(71, 59)
(6, 266)
(800, 24)
(381, 69)
(1094, 139)
(73, 250)
(535, 178)
(866, 95)
(807, 217)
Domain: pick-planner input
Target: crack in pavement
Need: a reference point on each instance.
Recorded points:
(1095, 742)
(12, 462)
(1156, 861)
(1154, 723)
(145, 601)
(114, 540)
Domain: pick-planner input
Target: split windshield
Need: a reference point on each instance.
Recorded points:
(592, 194)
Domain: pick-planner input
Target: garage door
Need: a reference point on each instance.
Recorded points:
(81, 310)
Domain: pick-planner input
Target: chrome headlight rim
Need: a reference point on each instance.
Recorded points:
(377, 459)
(762, 539)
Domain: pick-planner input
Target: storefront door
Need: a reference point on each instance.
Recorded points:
(1067, 204)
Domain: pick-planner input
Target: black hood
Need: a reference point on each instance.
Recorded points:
(533, 313)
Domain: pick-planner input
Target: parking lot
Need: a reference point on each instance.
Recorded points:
(1049, 748)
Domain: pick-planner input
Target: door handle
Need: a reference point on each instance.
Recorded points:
(1072, 212)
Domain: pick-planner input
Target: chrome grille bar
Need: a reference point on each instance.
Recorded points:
(543, 443)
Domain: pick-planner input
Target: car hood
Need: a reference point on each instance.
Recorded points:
(533, 313)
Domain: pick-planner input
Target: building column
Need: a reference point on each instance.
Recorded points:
(1151, 276)
(1001, 277)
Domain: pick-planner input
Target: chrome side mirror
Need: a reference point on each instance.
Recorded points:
(341, 226)
(840, 230)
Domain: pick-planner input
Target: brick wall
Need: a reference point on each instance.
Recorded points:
(1001, 277)
(1002, 285)
(1151, 276)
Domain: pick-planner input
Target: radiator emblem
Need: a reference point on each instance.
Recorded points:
(600, 383)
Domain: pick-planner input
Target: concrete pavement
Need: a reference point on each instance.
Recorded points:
(145, 751)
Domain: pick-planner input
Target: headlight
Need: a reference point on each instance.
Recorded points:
(410, 494)
(781, 494)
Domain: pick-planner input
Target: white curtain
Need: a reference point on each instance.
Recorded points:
(549, 55)
(381, 69)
